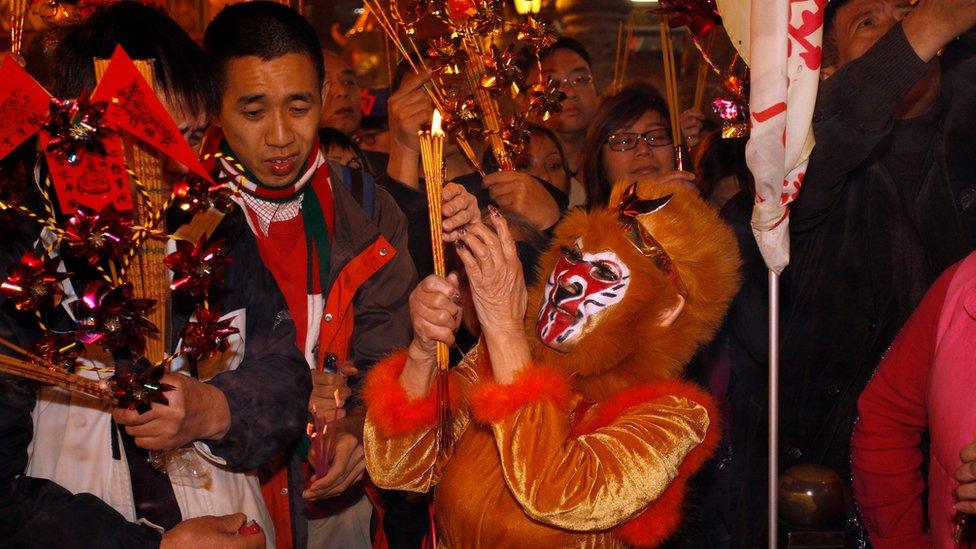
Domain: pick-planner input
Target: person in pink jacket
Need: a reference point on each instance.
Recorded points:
(924, 386)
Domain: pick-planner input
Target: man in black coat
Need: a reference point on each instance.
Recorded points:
(886, 206)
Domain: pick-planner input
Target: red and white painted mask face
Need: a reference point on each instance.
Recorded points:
(580, 289)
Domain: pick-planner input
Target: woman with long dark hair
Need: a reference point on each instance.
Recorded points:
(630, 139)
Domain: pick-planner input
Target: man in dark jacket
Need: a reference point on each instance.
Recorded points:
(344, 268)
(886, 206)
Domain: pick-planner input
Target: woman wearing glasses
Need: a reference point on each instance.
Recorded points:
(630, 139)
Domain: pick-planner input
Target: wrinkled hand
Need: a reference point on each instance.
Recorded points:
(348, 467)
(692, 122)
(524, 195)
(965, 493)
(459, 208)
(435, 313)
(211, 532)
(410, 108)
(195, 411)
(495, 276)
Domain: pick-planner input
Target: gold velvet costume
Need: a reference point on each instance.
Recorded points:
(587, 448)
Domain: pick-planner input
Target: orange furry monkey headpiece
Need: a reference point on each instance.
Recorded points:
(671, 270)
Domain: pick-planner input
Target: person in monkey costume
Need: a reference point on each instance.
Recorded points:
(570, 425)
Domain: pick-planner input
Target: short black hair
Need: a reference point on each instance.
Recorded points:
(526, 57)
(181, 69)
(263, 29)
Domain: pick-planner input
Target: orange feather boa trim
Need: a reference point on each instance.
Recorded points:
(492, 402)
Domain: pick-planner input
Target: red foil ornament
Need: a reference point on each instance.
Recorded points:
(206, 336)
(112, 319)
(76, 128)
(195, 194)
(196, 267)
(94, 237)
(59, 350)
(700, 16)
(461, 10)
(34, 283)
(137, 383)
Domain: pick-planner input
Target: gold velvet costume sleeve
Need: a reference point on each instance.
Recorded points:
(413, 460)
(598, 480)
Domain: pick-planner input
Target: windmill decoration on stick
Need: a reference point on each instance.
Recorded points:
(701, 17)
(470, 73)
(101, 215)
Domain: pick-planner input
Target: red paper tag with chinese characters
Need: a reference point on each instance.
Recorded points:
(94, 181)
(23, 106)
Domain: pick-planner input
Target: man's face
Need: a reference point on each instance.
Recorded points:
(576, 79)
(859, 24)
(192, 125)
(270, 112)
(582, 287)
(341, 110)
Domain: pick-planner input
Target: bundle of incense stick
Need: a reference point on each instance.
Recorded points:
(18, 13)
(393, 26)
(671, 86)
(145, 268)
(432, 156)
(703, 68)
(35, 368)
(475, 48)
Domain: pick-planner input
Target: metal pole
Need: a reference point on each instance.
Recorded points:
(773, 404)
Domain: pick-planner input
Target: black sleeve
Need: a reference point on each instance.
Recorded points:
(855, 111)
(382, 305)
(413, 204)
(268, 392)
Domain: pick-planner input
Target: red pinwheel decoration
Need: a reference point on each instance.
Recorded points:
(95, 237)
(501, 71)
(461, 10)
(112, 318)
(538, 34)
(546, 99)
(137, 383)
(59, 350)
(75, 127)
(207, 335)
(83, 138)
(195, 194)
(515, 133)
(34, 283)
(700, 16)
(196, 267)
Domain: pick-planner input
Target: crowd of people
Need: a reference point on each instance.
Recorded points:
(605, 311)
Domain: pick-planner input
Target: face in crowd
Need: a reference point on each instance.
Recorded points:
(859, 24)
(341, 110)
(192, 123)
(270, 112)
(575, 78)
(639, 149)
(542, 159)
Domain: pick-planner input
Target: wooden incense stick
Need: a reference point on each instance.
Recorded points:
(437, 96)
(432, 157)
(671, 87)
(704, 66)
(18, 13)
